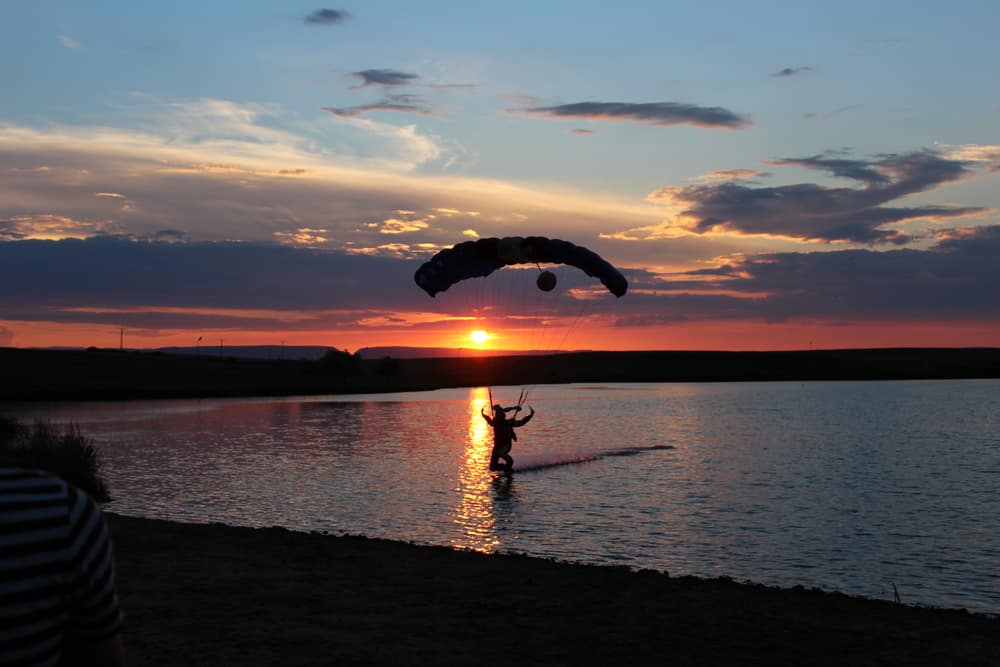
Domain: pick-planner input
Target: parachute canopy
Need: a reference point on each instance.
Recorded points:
(480, 258)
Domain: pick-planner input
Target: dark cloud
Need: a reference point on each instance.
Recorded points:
(175, 286)
(653, 113)
(107, 272)
(327, 17)
(119, 282)
(857, 170)
(384, 77)
(397, 103)
(953, 281)
(790, 71)
(893, 175)
(808, 211)
(393, 78)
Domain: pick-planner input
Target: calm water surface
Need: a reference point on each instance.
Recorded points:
(850, 486)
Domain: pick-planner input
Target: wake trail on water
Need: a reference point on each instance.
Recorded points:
(530, 463)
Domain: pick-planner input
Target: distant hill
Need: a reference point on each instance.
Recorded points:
(316, 352)
(400, 352)
(292, 352)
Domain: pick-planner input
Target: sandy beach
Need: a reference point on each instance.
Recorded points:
(217, 595)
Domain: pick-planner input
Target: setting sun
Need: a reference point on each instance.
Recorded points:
(479, 336)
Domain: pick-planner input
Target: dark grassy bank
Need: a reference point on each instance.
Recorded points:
(216, 595)
(27, 375)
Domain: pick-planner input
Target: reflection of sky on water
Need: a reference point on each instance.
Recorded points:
(847, 485)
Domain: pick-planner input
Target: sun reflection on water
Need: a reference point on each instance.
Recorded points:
(474, 513)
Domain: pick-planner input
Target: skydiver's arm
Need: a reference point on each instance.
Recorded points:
(522, 422)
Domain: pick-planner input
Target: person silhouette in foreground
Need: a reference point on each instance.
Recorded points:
(58, 603)
(504, 435)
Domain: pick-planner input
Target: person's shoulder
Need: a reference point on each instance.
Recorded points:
(20, 472)
(30, 479)
(37, 495)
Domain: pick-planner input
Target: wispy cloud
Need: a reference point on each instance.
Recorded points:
(411, 104)
(68, 42)
(730, 175)
(226, 137)
(652, 113)
(971, 152)
(791, 71)
(252, 180)
(452, 87)
(811, 115)
(384, 77)
(813, 212)
(391, 78)
(327, 17)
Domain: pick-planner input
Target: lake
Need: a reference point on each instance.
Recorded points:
(869, 488)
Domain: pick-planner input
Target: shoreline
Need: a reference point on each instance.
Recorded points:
(197, 594)
(112, 375)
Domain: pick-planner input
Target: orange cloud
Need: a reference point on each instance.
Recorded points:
(47, 227)
(304, 236)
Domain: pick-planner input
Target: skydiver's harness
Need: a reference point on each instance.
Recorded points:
(504, 446)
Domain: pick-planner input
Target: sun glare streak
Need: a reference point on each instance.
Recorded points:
(474, 513)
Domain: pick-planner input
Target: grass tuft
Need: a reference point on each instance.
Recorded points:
(64, 452)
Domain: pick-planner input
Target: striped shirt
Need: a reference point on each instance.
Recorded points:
(56, 569)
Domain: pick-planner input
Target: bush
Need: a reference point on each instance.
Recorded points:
(67, 454)
(335, 362)
(387, 367)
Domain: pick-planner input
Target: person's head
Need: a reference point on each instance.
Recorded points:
(499, 411)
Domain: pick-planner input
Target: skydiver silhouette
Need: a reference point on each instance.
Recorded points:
(504, 435)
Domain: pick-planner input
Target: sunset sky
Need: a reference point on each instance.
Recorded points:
(766, 175)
